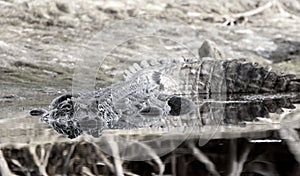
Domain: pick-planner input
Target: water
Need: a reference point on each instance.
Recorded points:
(231, 146)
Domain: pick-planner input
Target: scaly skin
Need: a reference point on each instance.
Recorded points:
(155, 90)
(225, 76)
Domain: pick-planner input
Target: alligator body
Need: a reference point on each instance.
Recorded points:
(156, 90)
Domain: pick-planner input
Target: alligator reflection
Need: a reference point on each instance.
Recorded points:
(249, 108)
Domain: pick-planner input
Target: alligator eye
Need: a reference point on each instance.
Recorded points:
(55, 103)
(66, 106)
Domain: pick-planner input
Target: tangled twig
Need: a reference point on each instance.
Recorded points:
(237, 164)
(234, 19)
(204, 159)
(3, 166)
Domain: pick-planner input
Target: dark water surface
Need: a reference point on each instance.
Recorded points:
(238, 144)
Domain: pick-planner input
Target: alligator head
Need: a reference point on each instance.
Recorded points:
(70, 117)
(60, 116)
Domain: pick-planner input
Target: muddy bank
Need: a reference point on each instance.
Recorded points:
(41, 41)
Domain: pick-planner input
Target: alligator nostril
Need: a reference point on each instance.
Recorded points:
(37, 112)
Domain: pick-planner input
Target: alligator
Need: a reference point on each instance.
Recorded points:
(156, 90)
